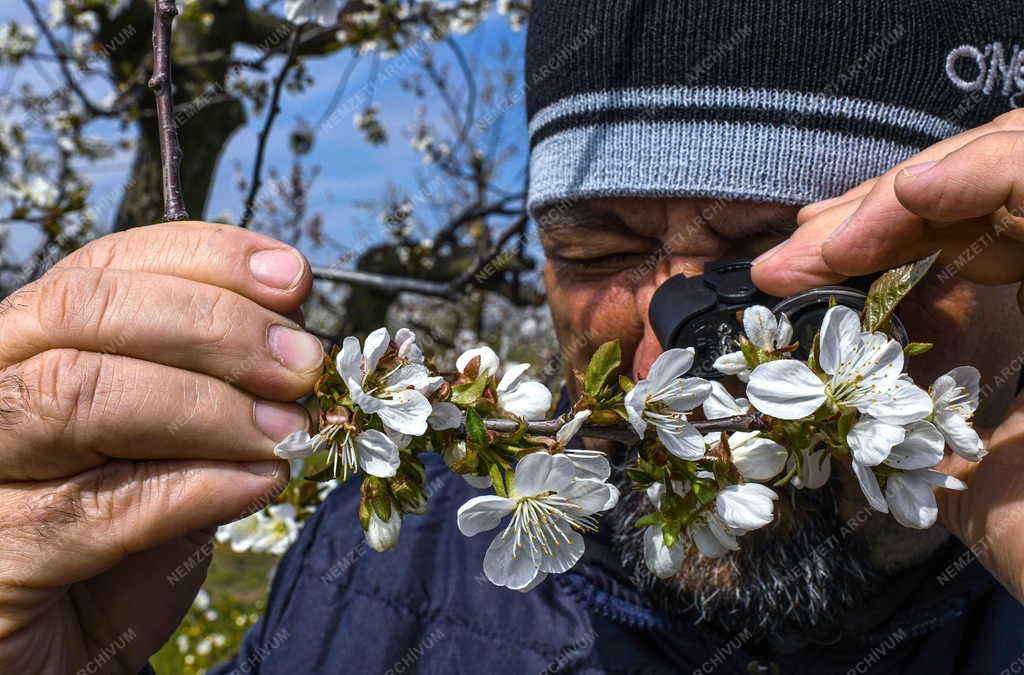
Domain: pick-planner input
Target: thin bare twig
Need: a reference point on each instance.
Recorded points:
(446, 290)
(62, 60)
(261, 147)
(170, 150)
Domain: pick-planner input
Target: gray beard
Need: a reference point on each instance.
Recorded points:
(791, 582)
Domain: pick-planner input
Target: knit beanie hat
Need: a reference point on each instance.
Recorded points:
(775, 101)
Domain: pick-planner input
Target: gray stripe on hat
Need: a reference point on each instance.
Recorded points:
(798, 103)
(705, 159)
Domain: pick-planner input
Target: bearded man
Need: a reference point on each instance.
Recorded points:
(824, 141)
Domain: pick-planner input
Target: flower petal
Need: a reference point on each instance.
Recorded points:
(382, 535)
(512, 376)
(444, 415)
(840, 330)
(374, 347)
(483, 513)
(685, 442)
(870, 487)
(922, 449)
(662, 561)
(757, 457)
(871, 441)
(962, 438)
(572, 427)
(563, 554)
(590, 464)
(720, 403)
(591, 496)
(726, 539)
(939, 479)
(732, 363)
(817, 468)
(529, 400)
(507, 565)
(407, 346)
(687, 394)
(706, 542)
(296, 445)
(761, 326)
(911, 501)
(407, 412)
(378, 455)
(488, 360)
(784, 336)
(786, 389)
(349, 361)
(748, 506)
(540, 472)
(634, 402)
(903, 403)
(669, 365)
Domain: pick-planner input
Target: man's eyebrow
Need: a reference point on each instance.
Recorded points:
(555, 220)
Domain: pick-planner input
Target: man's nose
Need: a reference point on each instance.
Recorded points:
(650, 348)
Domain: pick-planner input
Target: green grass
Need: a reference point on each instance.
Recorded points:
(237, 586)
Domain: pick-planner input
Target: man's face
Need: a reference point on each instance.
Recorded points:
(605, 260)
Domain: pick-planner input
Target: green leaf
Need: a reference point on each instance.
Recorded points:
(639, 476)
(917, 348)
(606, 359)
(468, 394)
(889, 289)
(705, 491)
(751, 353)
(323, 475)
(475, 428)
(497, 480)
(669, 534)
(626, 384)
(649, 519)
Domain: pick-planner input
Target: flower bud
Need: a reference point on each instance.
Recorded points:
(382, 535)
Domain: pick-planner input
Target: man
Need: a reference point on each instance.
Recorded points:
(667, 134)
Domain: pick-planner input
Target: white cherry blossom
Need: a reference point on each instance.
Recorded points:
(863, 372)
(757, 457)
(400, 398)
(956, 396)
(765, 331)
(528, 399)
(664, 398)
(908, 495)
(550, 507)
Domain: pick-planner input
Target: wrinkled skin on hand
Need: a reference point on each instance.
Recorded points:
(144, 381)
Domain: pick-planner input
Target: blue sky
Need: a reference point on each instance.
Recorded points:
(350, 169)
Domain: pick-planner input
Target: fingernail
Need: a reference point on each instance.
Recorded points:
(277, 420)
(918, 169)
(277, 267)
(295, 349)
(768, 254)
(268, 468)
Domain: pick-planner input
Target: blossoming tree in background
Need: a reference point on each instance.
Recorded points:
(710, 481)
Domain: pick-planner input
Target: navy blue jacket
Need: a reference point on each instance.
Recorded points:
(336, 606)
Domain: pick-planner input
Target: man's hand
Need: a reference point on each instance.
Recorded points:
(965, 197)
(143, 384)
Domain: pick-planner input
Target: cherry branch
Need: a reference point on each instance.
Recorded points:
(170, 150)
(273, 108)
(622, 432)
